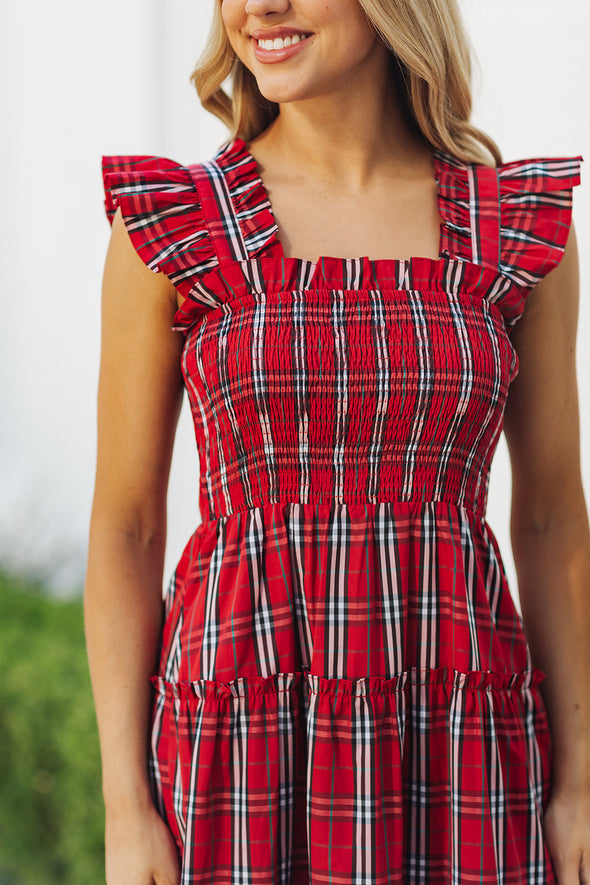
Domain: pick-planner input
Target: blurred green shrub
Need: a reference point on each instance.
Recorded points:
(51, 811)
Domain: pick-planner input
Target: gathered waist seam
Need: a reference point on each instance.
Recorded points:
(469, 512)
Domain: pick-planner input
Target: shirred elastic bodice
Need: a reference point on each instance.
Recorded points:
(320, 395)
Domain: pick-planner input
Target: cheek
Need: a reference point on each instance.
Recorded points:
(354, 46)
(232, 14)
(356, 27)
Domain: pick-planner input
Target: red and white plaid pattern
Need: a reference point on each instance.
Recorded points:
(345, 693)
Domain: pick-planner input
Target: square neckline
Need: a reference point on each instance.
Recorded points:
(444, 253)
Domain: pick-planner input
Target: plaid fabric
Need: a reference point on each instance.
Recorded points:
(345, 692)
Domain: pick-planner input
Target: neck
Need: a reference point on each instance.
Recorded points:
(346, 136)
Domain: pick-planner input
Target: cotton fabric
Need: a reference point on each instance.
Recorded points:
(345, 693)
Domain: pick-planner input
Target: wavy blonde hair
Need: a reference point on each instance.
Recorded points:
(432, 64)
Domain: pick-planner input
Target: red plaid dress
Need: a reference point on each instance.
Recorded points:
(345, 693)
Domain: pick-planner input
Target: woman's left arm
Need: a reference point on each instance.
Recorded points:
(551, 544)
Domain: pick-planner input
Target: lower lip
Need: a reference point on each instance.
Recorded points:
(272, 56)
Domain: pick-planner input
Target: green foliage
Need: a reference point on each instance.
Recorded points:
(51, 811)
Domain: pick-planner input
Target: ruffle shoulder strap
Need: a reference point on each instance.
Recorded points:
(535, 216)
(162, 212)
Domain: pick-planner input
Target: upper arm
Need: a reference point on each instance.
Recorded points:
(542, 417)
(139, 391)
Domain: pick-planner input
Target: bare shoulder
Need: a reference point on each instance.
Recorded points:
(554, 300)
(125, 270)
(140, 387)
(542, 414)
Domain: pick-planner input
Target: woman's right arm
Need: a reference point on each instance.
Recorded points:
(139, 399)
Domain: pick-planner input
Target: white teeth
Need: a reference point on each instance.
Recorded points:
(280, 42)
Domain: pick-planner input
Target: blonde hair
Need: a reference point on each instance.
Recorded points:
(432, 64)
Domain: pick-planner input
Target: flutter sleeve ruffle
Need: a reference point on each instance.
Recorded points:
(535, 216)
(162, 213)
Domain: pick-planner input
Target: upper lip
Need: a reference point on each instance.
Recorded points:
(273, 33)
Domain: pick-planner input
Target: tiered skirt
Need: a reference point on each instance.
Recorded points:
(345, 695)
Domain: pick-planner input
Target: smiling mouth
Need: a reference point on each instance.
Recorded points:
(282, 42)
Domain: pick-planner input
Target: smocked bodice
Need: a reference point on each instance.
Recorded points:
(326, 394)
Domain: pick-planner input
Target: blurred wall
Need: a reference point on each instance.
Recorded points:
(80, 81)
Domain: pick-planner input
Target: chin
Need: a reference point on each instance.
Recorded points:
(287, 92)
(285, 96)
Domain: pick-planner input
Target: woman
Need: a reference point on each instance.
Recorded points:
(343, 690)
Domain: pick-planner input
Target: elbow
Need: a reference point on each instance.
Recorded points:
(142, 528)
(542, 537)
(540, 511)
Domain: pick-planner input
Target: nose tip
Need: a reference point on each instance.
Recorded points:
(266, 7)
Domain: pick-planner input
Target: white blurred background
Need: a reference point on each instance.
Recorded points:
(82, 80)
